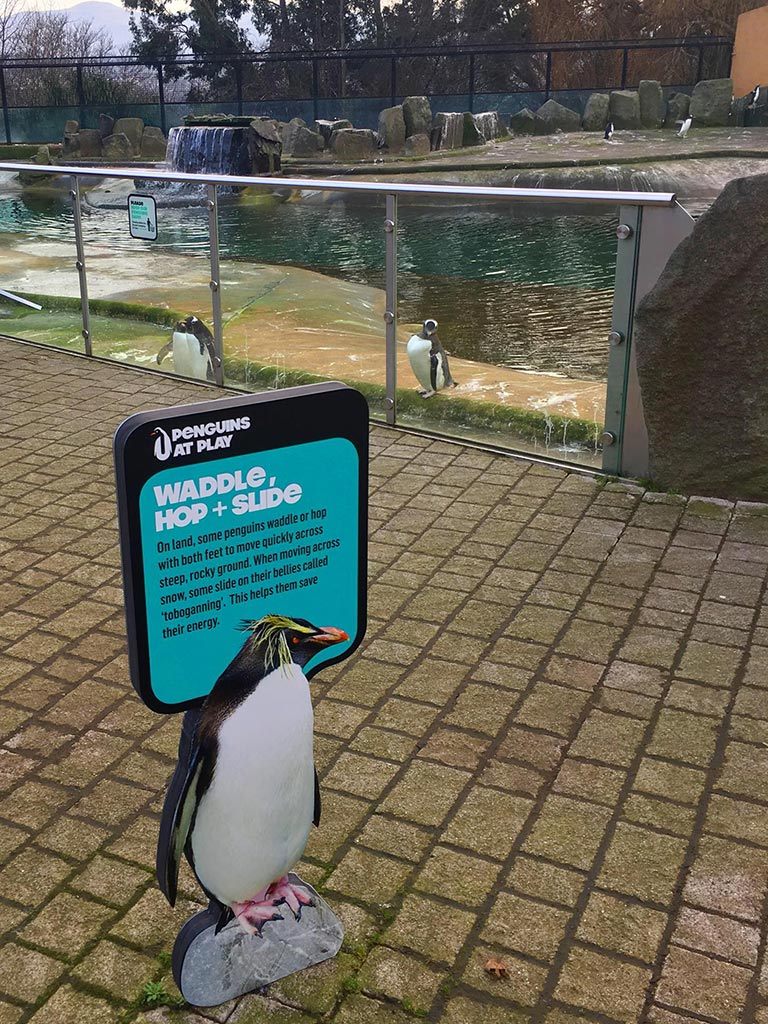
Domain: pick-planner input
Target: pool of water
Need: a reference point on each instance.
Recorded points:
(525, 288)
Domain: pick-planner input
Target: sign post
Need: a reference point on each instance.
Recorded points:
(142, 217)
(246, 513)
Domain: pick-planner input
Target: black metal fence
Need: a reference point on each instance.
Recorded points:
(309, 80)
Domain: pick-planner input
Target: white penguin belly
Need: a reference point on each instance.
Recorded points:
(187, 359)
(418, 355)
(254, 820)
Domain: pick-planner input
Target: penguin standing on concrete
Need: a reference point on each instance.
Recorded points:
(244, 795)
(429, 360)
(754, 96)
(193, 349)
(685, 127)
(608, 131)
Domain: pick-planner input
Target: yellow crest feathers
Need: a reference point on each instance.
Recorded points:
(267, 632)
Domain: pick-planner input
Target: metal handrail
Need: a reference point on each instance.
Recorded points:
(537, 195)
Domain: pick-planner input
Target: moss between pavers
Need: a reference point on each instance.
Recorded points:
(603, 985)
(523, 984)
(466, 1011)
(316, 989)
(68, 1006)
(392, 975)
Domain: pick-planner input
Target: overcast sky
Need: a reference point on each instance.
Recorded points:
(50, 5)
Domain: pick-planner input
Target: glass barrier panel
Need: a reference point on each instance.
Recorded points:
(140, 288)
(302, 292)
(37, 260)
(522, 295)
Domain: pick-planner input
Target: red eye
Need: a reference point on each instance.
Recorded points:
(295, 639)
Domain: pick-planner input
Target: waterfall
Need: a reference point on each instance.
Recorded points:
(209, 151)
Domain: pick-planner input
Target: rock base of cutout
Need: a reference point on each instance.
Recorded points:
(211, 969)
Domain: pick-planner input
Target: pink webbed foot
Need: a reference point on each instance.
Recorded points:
(282, 891)
(254, 914)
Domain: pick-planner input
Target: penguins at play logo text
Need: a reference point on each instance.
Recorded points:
(202, 437)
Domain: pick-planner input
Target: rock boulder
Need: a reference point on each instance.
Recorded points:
(89, 140)
(116, 147)
(153, 144)
(106, 125)
(417, 114)
(392, 128)
(264, 145)
(701, 354)
(133, 129)
(326, 128)
(596, 115)
(472, 136)
(624, 109)
(652, 107)
(553, 117)
(71, 127)
(417, 145)
(488, 123)
(678, 106)
(298, 140)
(355, 144)
(448, 131)
(523, 122)
(711, 102)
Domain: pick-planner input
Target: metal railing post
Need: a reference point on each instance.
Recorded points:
(80, 94)
(471, 90)
(700, 66)
(548, 81)
(213, 236)
(4, 101)
(315, 88)
(393, 79)
(161, 98)
(390, 311)
(239, 88)
(80, 264)
(624, 68)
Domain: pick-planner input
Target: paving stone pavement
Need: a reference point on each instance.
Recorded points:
(550, 751)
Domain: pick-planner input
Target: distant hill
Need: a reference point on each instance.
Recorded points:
(110, 17)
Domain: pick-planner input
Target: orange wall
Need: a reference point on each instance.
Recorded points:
(750, 53)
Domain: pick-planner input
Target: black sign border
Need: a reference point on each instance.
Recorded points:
(329, 410)
(141, 195)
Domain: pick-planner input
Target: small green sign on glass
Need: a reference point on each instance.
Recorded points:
(142, 217)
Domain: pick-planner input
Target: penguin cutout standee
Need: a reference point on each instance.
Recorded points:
(429, 360)
(193, 349)
(245, 795)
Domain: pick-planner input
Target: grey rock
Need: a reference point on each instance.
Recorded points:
(448, 131)
(678, 106)
(523, 122)
(42, 156)
(355, 144)
(71, 127)
(417, 145)
(624, 109)
(738, 116)
(553, 117)
(153, 144)
(471, 136)
(106, 125)
(217, 968)
(133, 129)
(417, 114)
(596, 115)
(90, 143)
(71, 145)
(116, 147)
(392, 128)
(298, 140)
(327, 128)
(701, 354)
(488, 123)
(711, 102)
(265, 145)
(652, 107)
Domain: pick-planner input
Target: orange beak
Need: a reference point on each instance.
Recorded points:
(329, 635)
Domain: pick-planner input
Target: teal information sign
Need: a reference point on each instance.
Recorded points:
(232, 510)
(142, 217)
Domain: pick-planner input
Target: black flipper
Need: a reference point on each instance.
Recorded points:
(433, 364)
(179, 808)
(205, 339)
(438, 350)
(316, 814)
(164, 351)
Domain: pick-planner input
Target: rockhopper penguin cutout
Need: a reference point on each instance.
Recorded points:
(237, 536)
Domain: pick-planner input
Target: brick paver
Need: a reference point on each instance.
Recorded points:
(550, 750)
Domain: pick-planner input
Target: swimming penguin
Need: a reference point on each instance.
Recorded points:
(429, 360)
(608, 131)
(193, 348)
(685, 127)
(245, 794)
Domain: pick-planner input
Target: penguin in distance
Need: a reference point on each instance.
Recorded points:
(193, 349)
(244, 796)
(685, 127)
(608, 134)
(429, 360)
